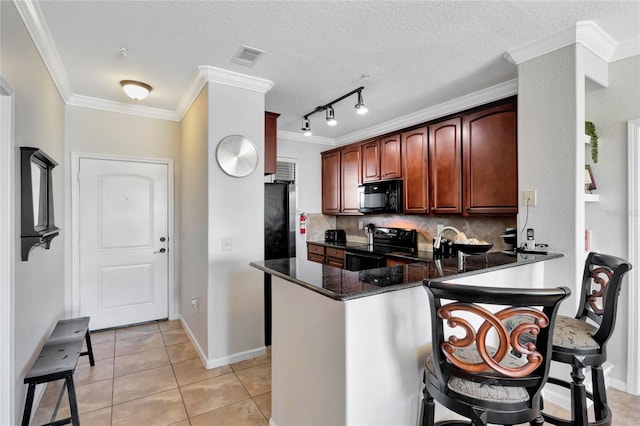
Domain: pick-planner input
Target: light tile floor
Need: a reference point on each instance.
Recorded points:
(151, 375)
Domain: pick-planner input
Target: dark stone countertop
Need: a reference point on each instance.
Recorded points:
(340, 284)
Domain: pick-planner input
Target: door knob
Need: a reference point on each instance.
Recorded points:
(163, 239)
(162, 250)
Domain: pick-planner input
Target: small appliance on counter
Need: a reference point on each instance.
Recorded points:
(369, 230)
(509, 236)
(335, 236)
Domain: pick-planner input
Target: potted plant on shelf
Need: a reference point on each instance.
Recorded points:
(590, 130)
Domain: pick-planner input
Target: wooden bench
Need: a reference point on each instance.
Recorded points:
(57, 360)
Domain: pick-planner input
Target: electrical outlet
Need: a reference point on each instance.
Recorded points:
(360, 224)
(226, 244)
(530, 198)
(195, 303)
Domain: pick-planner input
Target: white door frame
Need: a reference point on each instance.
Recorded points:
(7, 254)
(633, 338)
(73, 288)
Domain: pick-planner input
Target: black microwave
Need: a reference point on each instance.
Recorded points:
(380, 197)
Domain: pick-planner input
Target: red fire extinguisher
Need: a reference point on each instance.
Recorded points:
(303, 223)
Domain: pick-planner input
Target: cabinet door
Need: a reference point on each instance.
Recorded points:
(490, 163)
(351, 178)
(331, 182)
(415, 156)
(270, 142)
(445, 166)
(371, 162)
(390, 158)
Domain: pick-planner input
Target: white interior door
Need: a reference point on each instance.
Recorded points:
(123, 241)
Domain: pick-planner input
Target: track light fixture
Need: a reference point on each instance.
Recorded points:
(330, 112)
(361, 109)
(331, 116)
(306, 126)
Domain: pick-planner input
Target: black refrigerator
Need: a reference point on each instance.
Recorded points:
(279, 236)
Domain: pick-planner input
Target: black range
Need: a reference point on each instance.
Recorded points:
(386, 241)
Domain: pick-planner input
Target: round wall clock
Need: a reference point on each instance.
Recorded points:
(237, 156)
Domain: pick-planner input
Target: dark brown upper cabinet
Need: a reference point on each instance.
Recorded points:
(415, 163)
(270, 142)
(390, 157)
(490, 161)
(331, 182)
(371, 161)
(445, 166)
(351, 177)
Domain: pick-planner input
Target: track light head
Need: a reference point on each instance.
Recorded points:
(361, 109)
(306, 126)
(331, 116)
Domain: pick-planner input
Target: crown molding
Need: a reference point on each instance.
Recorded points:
(587, 33)
(590, 35)
(297, 137)
(235, 79)
(627, 49)
(32, 17)
(490, 94)
(106, 105)
(206, 73)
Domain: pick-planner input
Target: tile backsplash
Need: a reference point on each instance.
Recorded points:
(485, 228)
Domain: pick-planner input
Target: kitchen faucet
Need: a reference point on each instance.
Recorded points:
(436, 243)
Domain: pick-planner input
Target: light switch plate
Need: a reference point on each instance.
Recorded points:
(226, 244)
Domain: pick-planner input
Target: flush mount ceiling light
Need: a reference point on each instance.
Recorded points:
(135, 89)
(330, 112)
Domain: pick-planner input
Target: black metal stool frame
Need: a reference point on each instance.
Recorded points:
(447, 301)
(600, 306)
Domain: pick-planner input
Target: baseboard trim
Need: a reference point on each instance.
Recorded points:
(226, 360)
(240, 356)
(194, 341)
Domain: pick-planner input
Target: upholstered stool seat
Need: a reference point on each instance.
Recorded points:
(486, 391)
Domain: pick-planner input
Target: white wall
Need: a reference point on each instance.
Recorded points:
(95, 131)
(309, 181)
(547, 158)
(236, 211)
(39, 122)
(194, 207)
(609, 109)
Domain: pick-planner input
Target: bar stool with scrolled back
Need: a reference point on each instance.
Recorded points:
(581, 341)
(465, 374)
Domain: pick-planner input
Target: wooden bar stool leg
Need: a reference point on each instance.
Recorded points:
(578, 393)
(599, 393)
(28, 405)
(73, 404)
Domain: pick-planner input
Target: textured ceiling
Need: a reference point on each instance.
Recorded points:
(418, 54)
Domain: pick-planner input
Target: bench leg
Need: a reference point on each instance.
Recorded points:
(26, 417)
(89, 351)
(73, 404)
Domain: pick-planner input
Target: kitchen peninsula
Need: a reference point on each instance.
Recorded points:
(348, 346)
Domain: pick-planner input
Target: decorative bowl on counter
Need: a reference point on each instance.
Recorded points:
(472, 248)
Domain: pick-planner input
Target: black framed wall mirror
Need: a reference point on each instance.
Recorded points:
(37, 219)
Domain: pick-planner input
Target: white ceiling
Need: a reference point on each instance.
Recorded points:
(418, 54)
